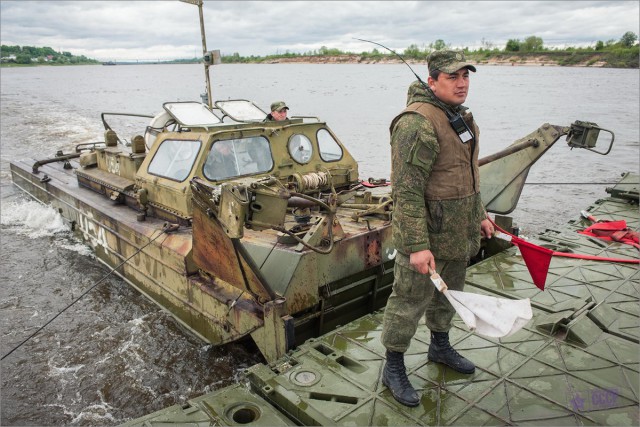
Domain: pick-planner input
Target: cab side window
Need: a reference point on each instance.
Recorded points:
(330, 150)
(174, 159)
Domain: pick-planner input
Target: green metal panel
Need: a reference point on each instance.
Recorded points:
(529, 378)
(234, 405)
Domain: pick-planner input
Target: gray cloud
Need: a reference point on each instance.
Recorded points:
(170, 29)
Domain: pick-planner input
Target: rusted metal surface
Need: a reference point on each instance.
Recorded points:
(214, 252)
(334, 264)
(105, 179)
(372, 250)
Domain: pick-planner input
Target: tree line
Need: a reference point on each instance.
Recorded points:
(621, 53)
(616, 53)
(31, 54)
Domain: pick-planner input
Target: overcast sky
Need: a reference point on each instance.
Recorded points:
(145, 30)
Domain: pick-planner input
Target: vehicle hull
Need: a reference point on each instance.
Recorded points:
(314, 293)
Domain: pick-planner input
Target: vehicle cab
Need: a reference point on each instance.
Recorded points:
(188, 140)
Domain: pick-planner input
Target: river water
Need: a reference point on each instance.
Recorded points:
(114, 355)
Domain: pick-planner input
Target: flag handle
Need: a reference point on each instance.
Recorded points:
(437, 281)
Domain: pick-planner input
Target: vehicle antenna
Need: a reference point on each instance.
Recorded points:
(204, 49)
(401, 58)
(456, 121)
(446, 109)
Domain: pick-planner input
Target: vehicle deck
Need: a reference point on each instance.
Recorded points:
(66, 183)
(576, 363)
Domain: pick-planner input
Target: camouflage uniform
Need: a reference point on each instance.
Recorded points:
(448, 226)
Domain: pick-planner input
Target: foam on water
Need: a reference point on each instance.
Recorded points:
(32, 219)
(35, 220)
(95, 414)
(137, 321)
(79, 248)
(63, 370)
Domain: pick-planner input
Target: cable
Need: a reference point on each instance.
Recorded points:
(166, 229)
(570, 183)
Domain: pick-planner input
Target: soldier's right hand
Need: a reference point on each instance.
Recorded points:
(422, 261)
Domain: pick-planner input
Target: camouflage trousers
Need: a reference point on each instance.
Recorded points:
(414, 296)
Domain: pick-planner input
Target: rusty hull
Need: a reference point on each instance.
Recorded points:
(163, 269)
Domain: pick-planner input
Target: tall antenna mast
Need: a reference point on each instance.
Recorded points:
(209, 58)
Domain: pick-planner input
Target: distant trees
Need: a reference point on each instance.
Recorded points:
(629, 39)
(32, 51)
(40, 55)
(375, 55)
(438, 45)
(618, 53)
(325, 51)
(23, 58)
(487, 45)
(530, 44)
(621, 53)
(414, 52)
(513, 45)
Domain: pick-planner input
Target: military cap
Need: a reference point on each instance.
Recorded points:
(278, 106)
(448, 61)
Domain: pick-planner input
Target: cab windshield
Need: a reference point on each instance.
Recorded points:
(238, 157)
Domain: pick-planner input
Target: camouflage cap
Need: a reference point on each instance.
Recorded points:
(278, 106)
(448, 61)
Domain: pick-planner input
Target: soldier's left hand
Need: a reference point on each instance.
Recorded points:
(486, 229)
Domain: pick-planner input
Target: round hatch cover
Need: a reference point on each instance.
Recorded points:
(305, 377)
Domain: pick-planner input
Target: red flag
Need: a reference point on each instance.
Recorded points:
(536, 258)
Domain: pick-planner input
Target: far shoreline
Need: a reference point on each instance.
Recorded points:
(504, 60)
(538, 61)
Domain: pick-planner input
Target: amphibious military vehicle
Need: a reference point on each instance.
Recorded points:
(237, 226)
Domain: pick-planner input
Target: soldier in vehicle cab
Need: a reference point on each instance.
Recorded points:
(278, 112)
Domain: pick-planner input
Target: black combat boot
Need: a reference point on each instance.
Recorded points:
(395, 377)
(441, 351)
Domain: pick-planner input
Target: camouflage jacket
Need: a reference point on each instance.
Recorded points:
(449, 227)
